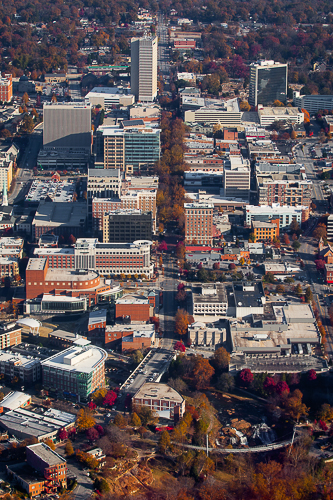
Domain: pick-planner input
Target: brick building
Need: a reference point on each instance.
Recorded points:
(25, 368)
(137, 307)
(48, 463)
(285, 189)
(8, 267)
(184, 44)
(105, 258)
(133, 336)
(75, 372)
(6, 88)
(199, 223)
(10, 334)
(265, 231)
(160, 398)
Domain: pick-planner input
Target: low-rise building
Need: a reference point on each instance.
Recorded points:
(10, 334)
(60, 218)
(206, 336)
(136, 307)
(25, 368)
(160, 398)
(285, 214)
(268, 115)
(48, 463)
(107, 97)
(8, 267)
(265, 231)
(62, 191)
(15, 400)
(210, 300)
(63, 339)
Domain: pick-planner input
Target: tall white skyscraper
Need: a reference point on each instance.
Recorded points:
(268, 82)
(144, 68)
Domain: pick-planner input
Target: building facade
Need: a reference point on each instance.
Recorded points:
(162, 399)
(144, 68)
(6, 88)
(285, 214)
(278, 188)
(199, 223)
(127, 225)
(48, 463)
(265, 231)
(268, 82)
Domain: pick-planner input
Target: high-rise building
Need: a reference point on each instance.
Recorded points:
(199, 223)
(129, 146)
(144, 68)
(6, 88)
(67, 126)
(236, 178)
(268, 82)
(102, 183)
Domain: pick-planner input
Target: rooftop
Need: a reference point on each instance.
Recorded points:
(77, 359)
(97, 316)
(138, 329)
(18, 359)
(258, 224)
(248, 294)
(278, 112)
(274, 209)
(103, 172)
(57, 191)
(209, 293)
(46, 454)
(65, 335)
(158, 391)
(14, 400)
(61, 213)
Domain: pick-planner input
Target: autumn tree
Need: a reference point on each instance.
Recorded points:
(69, 450)
(85, 420)
(179, 346)
(50, 443)
(181, 322)
(293, 406)
(286, 239)
(62, 434)
(246, 376)
(110, 398)
(92, 434)
(244, 106)
(320, 231)
(220, 359)
(308, 295)
(202, 373)
(325, 412)
(25, 98)
(282, 388)
(135, 420)
(98, 396)
(164, 442)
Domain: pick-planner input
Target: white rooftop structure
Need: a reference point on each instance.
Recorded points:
(98, 316)
(14, 400)
(77, 359)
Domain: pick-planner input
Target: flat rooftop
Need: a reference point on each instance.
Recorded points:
(27, 473)
(65, 335)
(138, 329)
(97, 316)
(279, 112)
(158, 391)
(69, 275)
(57, 191)
(248, 294)
(18, 359)
(103, 172)
(61, 213)
(209, 293)
(35, 423)
(14, 400)
(275, 209)
(258, 224)
(77, 359)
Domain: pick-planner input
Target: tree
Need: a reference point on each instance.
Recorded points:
(298, 290)
(164, 442)
(225, 382)
(136, 420)
(99, 396)
(244, 106)
(293, 406)
(325, 412)
(282, 388)
(99, 429)
(179, 346)
(294, 226)
(220, 359)
(308, 295)
(280, 288)
(62, 434)
(181, 322)
(25, 98)
(320, 231)
(137, 356)
(85, 420)
(202, 373)
(181, 295)
(92, 406)
(296, 245)
(69, 450)
(50, 443)
(286, 239)
(246, 376)
(110, 398)
(119, 420)
(312, 375)
(92, 434)
(232, 266)
(163, 247)
(146, 414)
(203, 275)
(269, 385)
(71, 240)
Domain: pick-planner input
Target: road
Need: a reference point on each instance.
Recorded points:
(28, 160)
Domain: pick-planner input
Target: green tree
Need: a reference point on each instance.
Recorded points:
(137, 356)
(296, 245)
(298, 290)
(202, 275)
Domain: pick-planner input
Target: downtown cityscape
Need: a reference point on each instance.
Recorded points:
(166, 250)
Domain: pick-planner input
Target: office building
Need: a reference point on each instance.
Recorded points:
(268, 82)
(210, 300)
(144, 68)
(60, 218)
(127, 225)
(236, 178)
(67, 126)
(77, 371)
(105, 258)
(6, 88)
(268, 115)
(226, 113)
(129, 145)
(102, 183)
(160, 398)
(290, 189)
(312, 103)
(8, 266)
(199, 223)
(265, 231)
(285, 214)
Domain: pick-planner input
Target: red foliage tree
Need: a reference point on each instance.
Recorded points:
(232, 266)
(312, 375)
(92, 434)
(110, 398)
(99, 429)
(92, 406)
(282, 387)
(62, 434)
(179, 346)
(323, 425)
(246, 376)
(180, 286)
(163, 247)
(320, 264)
(269, 385)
